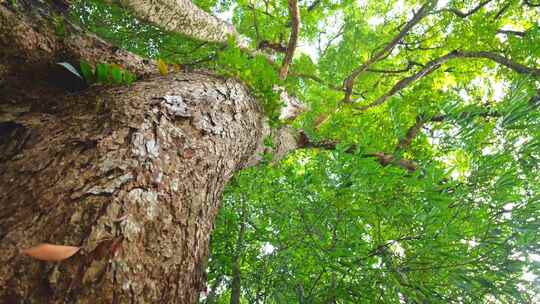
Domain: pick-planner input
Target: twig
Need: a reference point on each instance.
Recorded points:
(294, 12)
(436, 63)
(510, 32)
(467, 14)
(503, 10)
(418, 16)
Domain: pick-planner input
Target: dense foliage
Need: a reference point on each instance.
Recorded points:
(343, 225)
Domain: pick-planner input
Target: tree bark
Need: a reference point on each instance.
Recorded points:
(132, 175)
(136, 185)
(29, 43)
(182, 16)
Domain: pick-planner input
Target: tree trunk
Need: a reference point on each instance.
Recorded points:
(132, 175)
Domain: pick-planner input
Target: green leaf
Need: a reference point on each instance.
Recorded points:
(87, 71)
(102, 73)
(129, 78)
(116, 74)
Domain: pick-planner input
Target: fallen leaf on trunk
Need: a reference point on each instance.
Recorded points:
(50, 252)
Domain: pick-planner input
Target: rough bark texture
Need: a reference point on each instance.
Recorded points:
(181, 16)
(29, 43)
(133, 175)
(136, 185)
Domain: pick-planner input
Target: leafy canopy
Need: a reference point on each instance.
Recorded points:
(353, 224)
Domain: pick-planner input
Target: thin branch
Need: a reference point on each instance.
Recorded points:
(313, 5)
(331, 40)
(251, 7)
(294, 12)
(529, 3)
(256, 26)
(383, 158)
(389, 159)
(503, 10)
(421, 120)
(318, 80)
(422, 48)
(510, 32)
(516, 67)
(389, 71)
(321, 81)
(406, 141)
(418, 16)
(409, 66)
(405, 82)
(436, 63)
(467, 14)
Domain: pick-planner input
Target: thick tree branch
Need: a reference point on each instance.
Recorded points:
(418, 16)
(29, 36)
(294, 12)
(182, 16)
(467, 14)
(436, 63)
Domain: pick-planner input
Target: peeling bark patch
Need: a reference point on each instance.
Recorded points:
(152, 147)
(175, 106)
(111, 186)
(145, 144)
(130, 229)
(147, 200)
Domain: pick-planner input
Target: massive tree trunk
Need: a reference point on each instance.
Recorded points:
(132, 175)
(136, 184)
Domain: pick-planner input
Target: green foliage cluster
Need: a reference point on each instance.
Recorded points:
(256, 73)
(333, 225)
(105, 73)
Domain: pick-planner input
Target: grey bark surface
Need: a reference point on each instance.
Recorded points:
(182, 16)
(137, 185)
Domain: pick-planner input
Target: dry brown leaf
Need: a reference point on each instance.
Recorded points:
(50, 252)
